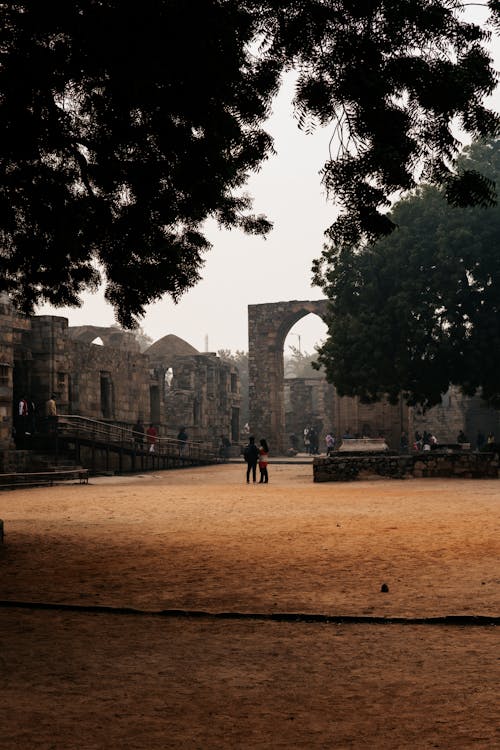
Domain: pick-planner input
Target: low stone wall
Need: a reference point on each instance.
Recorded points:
(464, 465)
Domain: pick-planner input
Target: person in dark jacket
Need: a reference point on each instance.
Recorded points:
(251, 454)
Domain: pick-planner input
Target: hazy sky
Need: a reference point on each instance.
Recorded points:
(242, 270)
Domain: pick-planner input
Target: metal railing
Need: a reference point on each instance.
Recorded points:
(118, 436)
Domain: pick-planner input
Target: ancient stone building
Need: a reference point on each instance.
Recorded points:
(268, 326)
(112, 382)
(201, 391)
(279, 408)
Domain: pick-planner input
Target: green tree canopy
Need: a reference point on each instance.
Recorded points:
(420, 309)
(125, 126)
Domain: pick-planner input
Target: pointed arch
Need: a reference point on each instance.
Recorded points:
(268, 327)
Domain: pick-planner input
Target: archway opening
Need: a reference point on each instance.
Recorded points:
(308, 398)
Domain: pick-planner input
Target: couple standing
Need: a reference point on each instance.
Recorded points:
(253, 454)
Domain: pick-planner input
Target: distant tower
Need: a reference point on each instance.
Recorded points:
(206, 343)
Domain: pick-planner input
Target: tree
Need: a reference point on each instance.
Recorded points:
(300, 365)
(420, 309)
(124, 130)
(143, 339)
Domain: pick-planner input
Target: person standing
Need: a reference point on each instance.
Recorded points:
(479, 440)
(23, 411)
(51, 412)
(263, 460)
(330, 444)
(251, 454)
(22, 422)
(152, 435)
(138, 434)
(182, 437)
(403, 442)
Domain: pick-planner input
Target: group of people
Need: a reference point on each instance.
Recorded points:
(28, 419)
(254, 455)
(425, 441)
(151, 437)
(141, 434)
(311, 440)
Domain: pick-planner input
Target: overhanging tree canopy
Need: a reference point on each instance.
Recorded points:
(125, 126)
(420, 309)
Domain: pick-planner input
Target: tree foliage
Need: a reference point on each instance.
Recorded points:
(300, 364)
(420, 309)
(126, 126)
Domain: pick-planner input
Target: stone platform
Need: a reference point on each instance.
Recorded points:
(363, 445)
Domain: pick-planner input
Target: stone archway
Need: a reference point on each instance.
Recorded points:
(109, 336)
(268, 327)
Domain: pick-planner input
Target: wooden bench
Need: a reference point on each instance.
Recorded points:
(38, 478)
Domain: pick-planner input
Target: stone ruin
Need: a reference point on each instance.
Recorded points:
(280, 407)
(171, 384)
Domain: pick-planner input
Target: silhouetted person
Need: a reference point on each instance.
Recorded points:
(139, 434)
(251, 454)
(480, 440)
(182, 437)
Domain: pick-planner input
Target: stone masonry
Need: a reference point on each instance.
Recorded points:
(460, 465)
(114, 383)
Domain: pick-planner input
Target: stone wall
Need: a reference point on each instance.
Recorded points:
(39, 356)
(459, 465)
(456, 412)
(107, 383)
(309, 402)
(204, 397)
(371, 420)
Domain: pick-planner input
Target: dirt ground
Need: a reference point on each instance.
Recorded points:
(201, 539)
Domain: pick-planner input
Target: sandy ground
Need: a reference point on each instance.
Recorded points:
(201, 539)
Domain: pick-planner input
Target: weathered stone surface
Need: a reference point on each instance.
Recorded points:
(357, 445)
(41, 355)
(464, 465)
(268, 326)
